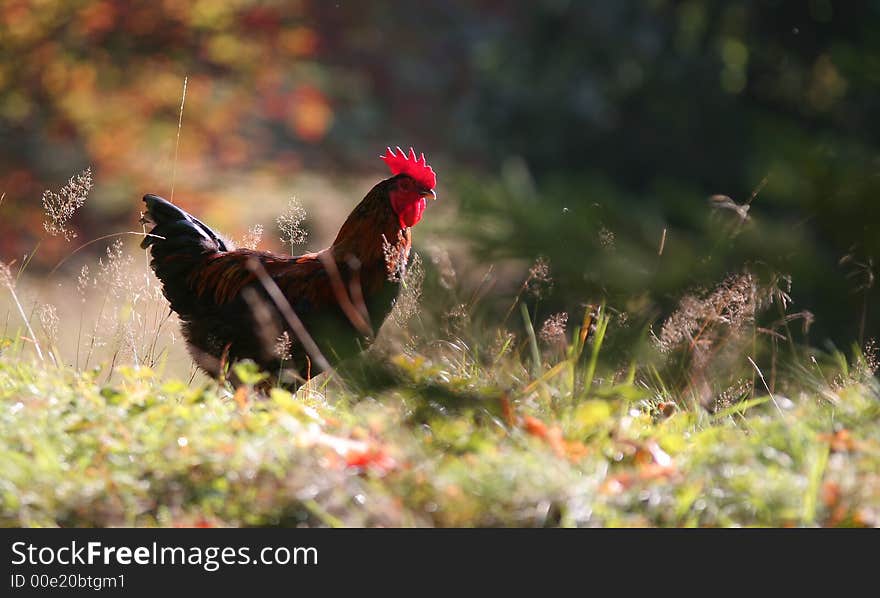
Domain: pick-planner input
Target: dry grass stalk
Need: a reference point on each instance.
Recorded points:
(8, 280)
(177, 142)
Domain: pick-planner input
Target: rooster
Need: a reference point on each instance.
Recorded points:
(293, 315)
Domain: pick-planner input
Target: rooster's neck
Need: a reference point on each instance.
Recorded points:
(370, 226)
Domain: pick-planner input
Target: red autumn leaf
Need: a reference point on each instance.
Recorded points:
(200, 522)
(572, 449)
(507, 411)
(576, 450)
(241, 397)
(553, 436)
(616, 484)
(841, 441)
(534, 426)
(831, 494)
(654, 471)
(371, 458)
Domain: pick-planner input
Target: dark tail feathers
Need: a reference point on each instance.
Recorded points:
(179, 245)
(175, 229)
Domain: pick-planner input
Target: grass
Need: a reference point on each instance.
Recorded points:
(415, 437)
(451, 419)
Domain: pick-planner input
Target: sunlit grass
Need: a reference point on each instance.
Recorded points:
(431, 437)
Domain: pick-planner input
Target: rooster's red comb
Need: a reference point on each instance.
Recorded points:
(417, 168)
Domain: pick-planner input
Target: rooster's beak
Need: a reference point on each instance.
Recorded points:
(429, 193)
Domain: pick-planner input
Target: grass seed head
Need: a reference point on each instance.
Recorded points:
(290, 223)
(871, 352)
(84, 281)
(396, 255)
(539, 281)
(252, 238)
(61, 206)
(407, 304)
(284, 347)
(702, 318)
(6, 278)
(115, 271)
(606, 238)
(553, 330)
(49, 321)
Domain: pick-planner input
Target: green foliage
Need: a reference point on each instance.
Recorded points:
(441, 444)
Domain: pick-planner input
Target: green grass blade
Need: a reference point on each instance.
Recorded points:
(601, 326)
(533, 341)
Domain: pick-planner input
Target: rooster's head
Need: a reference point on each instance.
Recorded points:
(414, 181)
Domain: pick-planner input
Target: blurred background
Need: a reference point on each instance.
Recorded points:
(643, 148)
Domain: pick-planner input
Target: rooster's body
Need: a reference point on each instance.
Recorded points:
(341, 294)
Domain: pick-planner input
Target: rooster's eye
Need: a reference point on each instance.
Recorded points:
(405, 185)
